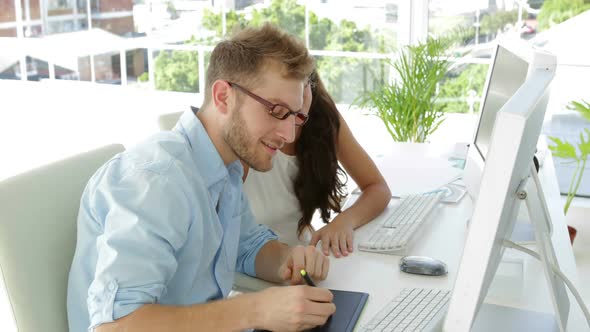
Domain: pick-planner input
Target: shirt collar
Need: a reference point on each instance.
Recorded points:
(205, 154)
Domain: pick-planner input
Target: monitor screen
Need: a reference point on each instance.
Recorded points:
(507, 74)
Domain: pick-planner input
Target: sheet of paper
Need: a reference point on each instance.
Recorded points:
(412, 176)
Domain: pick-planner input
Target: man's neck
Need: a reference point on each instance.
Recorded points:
(215, 133)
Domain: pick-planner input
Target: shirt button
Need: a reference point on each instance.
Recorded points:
(112, 286)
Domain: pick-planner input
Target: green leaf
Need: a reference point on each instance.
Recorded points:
(584, 144)
(583, 107)
(562, 149)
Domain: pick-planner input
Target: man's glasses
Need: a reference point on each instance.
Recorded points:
(277, 111)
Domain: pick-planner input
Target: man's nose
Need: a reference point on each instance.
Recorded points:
(286, 129)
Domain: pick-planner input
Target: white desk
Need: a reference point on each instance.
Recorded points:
(379, 274)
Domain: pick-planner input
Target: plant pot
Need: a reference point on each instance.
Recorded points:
(572, 232)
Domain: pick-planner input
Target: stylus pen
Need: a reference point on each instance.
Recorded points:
(306, 277)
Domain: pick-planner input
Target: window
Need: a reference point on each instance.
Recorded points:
(58, 4)
(478, 24)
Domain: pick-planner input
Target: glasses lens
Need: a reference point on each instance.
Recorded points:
(280, 112)
(300, 119)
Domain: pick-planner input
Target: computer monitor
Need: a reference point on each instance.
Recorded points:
(508, 168)
(506, 74)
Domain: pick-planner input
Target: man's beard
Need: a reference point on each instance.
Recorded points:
(237, 138)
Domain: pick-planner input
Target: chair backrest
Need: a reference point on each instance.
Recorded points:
(38, 212)
(168, 121)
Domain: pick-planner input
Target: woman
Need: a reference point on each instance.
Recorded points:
(306, 176)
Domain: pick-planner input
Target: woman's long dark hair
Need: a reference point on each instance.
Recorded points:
(319, 183)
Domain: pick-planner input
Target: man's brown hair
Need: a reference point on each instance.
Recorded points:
(241, 58)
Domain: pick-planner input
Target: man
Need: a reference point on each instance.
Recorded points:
(163, 225)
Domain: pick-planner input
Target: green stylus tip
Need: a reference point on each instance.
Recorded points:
(303, 272)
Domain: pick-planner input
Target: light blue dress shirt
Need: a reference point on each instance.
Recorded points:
(163, 222)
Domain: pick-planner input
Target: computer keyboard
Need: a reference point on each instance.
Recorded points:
(414, 309)
(413, 208)
(399, 228)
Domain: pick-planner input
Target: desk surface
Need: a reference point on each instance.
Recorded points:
(443, 238)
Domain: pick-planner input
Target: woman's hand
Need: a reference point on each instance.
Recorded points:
(336, 235)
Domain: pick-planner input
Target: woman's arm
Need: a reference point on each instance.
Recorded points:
(375, 196)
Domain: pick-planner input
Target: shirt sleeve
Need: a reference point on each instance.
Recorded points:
(253, 237)
(146, 220)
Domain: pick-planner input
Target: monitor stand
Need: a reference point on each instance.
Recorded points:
(523, 232)
(531, 192)
(513, 319)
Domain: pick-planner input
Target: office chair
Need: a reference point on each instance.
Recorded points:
(38, 212)
(167, 121)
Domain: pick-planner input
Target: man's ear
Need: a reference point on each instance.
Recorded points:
(220, 94)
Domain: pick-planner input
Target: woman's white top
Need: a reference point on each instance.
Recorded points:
(272, 198)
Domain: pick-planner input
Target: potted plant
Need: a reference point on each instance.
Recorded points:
(575, 154)
(407, 106)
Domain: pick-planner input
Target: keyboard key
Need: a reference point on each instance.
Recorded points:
(397, 230)
(414, 309)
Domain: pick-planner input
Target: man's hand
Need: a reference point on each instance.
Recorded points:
(308, 258)
(293, 308)
(336, 235)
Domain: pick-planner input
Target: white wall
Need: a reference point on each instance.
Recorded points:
(45, 121)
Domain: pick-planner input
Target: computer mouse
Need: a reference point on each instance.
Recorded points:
(422, 265)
